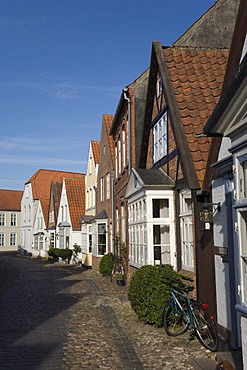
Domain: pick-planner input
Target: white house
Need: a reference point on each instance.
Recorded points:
(71, 209)
(35, 209)
(10, 214)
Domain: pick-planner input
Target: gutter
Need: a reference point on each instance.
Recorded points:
(125, 92)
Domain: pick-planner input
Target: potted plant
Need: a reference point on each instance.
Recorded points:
(120, 279)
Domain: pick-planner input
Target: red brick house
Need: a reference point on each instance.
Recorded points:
(102, 236)
(126, 132)
(184, 86)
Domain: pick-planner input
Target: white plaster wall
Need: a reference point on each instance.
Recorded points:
(222, 293)
(220, 220)
(221, 268)
(244, 340)
(224, 148)
(26, 224)
(91, 183)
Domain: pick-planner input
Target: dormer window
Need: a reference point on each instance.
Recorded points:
(160, 138)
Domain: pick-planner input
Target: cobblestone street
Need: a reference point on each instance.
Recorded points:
(55, 316)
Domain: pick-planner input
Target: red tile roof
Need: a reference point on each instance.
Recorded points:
(10, 200)
(197, 76)
(107, 121)
(75, 190)
(96, 150)
(41, 183)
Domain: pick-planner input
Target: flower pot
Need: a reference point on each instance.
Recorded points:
(120, 282)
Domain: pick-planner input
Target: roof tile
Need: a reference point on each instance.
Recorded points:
(197, 77)
(10, 200)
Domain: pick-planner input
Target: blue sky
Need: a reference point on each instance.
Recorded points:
(64, 64)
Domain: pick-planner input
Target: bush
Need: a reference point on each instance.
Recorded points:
(65, 254)
(106, 264)
(149, 290)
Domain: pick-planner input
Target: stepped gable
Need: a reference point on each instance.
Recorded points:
(196, 76)
(10, 200)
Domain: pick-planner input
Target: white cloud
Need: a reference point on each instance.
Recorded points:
(38, 161)
(60, 87)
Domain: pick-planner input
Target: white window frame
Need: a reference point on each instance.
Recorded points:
(116, 160)
(186, 230)
(160, 138)
(119, 155)
(13, 219)
(2, 219)
(124, 146)
(102, 189)
(2, 240)
(108, 185)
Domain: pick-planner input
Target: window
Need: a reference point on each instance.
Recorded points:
(101, 239)
(161, 244)
(108, 186)
(29, 213)
(160, 138)
(12, 239)
(243, 253)
(13, 219)
(160, 208)
(51, 216)
(62, 213)
(2, 240)
(102, 189)
(65, 212)
(186, 230)
(2, 219)
(159, 86)
(117, 221)
(119, 156)
(52, 240)
(123, 224)
(36, 242)
(124, 146)
(243, 177)
(116, 161)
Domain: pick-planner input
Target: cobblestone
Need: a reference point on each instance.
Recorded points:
(57, 316)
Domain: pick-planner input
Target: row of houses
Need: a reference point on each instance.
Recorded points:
(167, 181)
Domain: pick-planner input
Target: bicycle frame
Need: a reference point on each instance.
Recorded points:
(188, 312)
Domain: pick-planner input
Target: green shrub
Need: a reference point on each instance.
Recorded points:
(65, 254)
(106, 264)
(52, 252)
(149, 290)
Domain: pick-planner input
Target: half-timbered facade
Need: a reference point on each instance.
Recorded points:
(184, 86)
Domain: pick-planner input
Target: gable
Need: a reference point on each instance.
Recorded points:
(192, 80)
(75, 191)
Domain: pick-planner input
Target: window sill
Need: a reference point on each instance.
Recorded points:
(186, 274)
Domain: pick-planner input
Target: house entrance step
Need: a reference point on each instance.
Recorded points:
(233, 358)
(203, 364)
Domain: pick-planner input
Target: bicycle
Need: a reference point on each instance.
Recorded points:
(182, 313)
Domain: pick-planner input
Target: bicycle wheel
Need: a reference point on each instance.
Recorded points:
(174, 321)
(205, 329)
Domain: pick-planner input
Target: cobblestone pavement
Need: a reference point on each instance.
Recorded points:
(56, 316)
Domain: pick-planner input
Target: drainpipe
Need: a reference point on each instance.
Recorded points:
(112, 212)
(125, 91)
